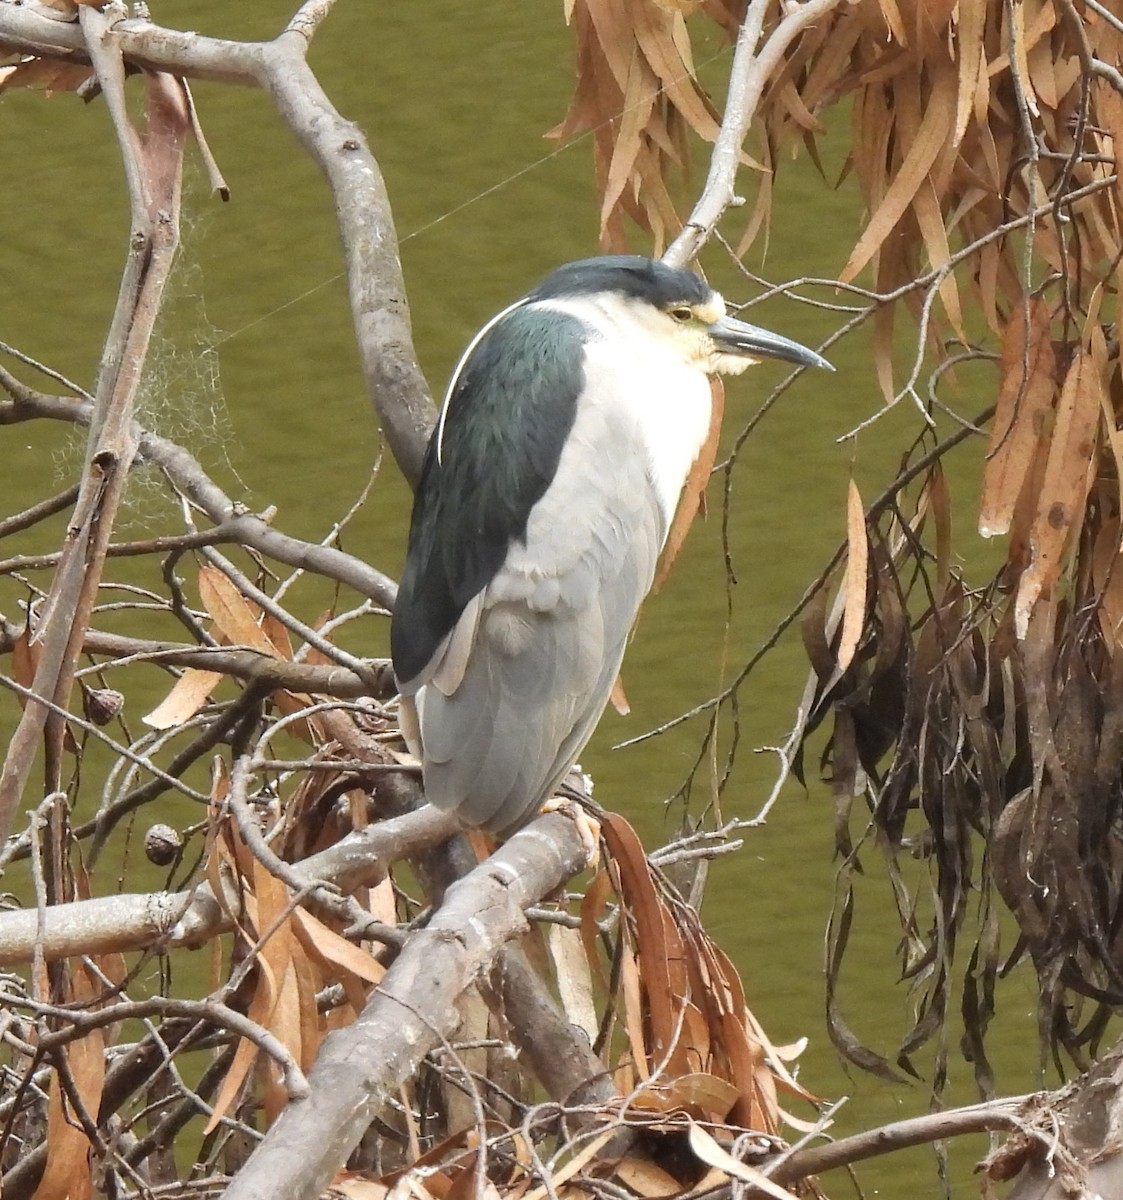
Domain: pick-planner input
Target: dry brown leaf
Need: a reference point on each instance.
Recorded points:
(231, 611)
(1065, 487)
(315, 655)
(67, 1173)
(713, 1155)
(660, 962)
(334, 950)
(926, 209)
(632, 992)
(244, 1058)
(46, 73)
(892, 16)
(1043, 75)
(1025, 398)
(920, 155)
(657, 39)
(619, 697)
(271, 910)
(188, 694)
(1109, 111)
(972, 64)
(709, 1095)
(645, 1178)
(939, 501)
(855, 584)
(593, 906)
(383, 903)
(25, 660)
(278, 636)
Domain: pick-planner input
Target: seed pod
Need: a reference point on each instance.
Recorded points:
(163, 845)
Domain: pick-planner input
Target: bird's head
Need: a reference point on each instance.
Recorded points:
(650, 301)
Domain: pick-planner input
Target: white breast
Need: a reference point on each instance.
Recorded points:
(667, 400)
(669, 403)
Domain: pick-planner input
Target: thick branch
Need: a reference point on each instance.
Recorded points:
(142, 44)
(152, 170)
(189, 918)
(250, 666)
(370, 250)
(899, 1135)
(413, 1008)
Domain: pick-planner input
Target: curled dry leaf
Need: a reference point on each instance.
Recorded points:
(697, 1091)
(45, 73)
(684, 1006)
(67, 1173)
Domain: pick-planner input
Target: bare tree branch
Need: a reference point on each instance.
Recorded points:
(153, 174)
(750, 73)
(191, 917)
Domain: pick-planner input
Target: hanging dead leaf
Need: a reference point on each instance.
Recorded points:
(658, 947)
(919, 157)
(67, 1175)
(1025, 399)
(48, 74)
(631, 990)
(707, 1095)
(25, 659)
(1065, 487)
(856, 582)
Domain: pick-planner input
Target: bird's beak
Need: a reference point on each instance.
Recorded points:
(750, 341)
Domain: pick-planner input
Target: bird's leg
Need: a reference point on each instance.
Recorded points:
(574, 801)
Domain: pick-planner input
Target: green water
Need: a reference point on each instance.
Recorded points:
(455, 98)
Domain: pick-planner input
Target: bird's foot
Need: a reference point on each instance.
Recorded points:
(588, 827)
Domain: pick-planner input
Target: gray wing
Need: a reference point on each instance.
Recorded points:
(530, 666)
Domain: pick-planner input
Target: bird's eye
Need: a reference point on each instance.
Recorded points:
(682, 314)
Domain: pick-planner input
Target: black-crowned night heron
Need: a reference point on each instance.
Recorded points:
(568, 431)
